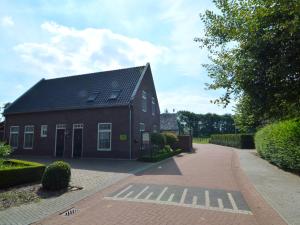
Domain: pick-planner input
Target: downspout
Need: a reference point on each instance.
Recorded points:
(130, 129)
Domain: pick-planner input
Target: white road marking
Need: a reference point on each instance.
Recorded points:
(183, 196)
(126, 196)
(232, 202)
(207, 201)
(161, 194)
(220, 202)
(171, 198)
(123, 191)
(149, 195)
(195, 199)
(139, 194)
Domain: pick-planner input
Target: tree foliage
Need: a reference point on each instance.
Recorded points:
(203, 125)
(254, 47)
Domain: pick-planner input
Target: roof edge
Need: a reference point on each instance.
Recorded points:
(139, 82)
(26, 92)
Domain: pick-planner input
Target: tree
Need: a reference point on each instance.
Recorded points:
(254, 47)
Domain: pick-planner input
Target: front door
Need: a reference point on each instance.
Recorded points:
(77, 143)
(60, 142)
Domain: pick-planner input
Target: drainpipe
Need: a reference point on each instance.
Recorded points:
(130, 129)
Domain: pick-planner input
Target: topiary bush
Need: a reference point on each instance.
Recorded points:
(171, 138)
(158, 140)
(243, 141)
(279, 143)
(56, 176)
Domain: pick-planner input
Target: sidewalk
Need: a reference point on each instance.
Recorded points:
(280, 189)
(207, 187)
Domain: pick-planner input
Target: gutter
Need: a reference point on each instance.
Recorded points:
(130, 130)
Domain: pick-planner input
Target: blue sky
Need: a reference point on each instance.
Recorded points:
(46, 39)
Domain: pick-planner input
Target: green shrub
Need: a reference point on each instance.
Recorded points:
(20, 172)
(171, 138)
(158, 140)
(56, 176)
(243, 141)
(5, 151)
(279, 143)
(160, 155)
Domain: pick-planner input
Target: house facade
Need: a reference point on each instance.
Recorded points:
(91, 115)
(169, 123)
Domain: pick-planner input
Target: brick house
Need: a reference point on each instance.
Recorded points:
(92, 115)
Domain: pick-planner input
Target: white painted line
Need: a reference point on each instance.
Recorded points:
(232, 202)
(220, 202)
(126, 196)
(161, 194)
(183, 196)
(139, 194)
(149, 195)
(122, 191)
(207, 201)
(195, 199)
(171, 198)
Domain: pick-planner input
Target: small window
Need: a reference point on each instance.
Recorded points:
(44, 129)
(28, 137)
(14, 136)
(104, 137)
(153, 106)
(154, 128)
(142, 127)
(144, 101)
(114, 94)
(92, 97)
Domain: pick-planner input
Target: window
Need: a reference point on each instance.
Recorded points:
(142, 127)
(154, 128)
(144, 101)
(104, 137)
(153, 106)
(44, 129)
(92, 97)
(14, 136)
(28, 137)
(114, 94)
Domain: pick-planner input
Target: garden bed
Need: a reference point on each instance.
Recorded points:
(155, 157)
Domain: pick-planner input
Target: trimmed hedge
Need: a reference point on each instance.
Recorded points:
(24, 172)
(171, 138)
(160, 155)
(279, 143)
(242, 141)
(56, 176)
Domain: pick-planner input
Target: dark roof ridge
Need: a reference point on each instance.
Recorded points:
(93, 73)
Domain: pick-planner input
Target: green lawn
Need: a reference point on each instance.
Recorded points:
(201, 140)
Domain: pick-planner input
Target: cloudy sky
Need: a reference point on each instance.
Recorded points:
(48, 38)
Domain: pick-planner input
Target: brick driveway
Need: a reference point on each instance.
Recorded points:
(91, 174)
(207, 187)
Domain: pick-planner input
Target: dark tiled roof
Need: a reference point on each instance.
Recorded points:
(77, 91)
(168, 122)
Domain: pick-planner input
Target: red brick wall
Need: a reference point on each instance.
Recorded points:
(185, 143)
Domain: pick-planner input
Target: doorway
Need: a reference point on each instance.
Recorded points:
(77, 140)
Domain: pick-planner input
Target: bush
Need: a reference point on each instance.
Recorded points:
(171, 139)
(158, 139)
(279, 143)
(243, 141)
(5, 151)
(19, 172)
(165, 153)
(56, 176)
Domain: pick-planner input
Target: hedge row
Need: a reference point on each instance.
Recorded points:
(279, 143)
(24, 172)
(160, 156)
(243, 141)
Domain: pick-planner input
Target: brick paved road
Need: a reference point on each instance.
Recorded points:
(207, 187)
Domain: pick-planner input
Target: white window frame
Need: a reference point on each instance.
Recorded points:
(44, 130)
(14, 132)
(153, 106)
(142, 125)
(104, 130)
(154, 128)
(28, 132)
(144, 101)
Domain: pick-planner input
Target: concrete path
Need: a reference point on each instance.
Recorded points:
(207, 187)
(281, 189)
(91, 174)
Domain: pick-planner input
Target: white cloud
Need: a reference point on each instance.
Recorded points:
(7, 21)
(73, 51)
(191, 100)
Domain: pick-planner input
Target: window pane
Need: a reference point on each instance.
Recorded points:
(14, 129)
(29, 128)
(14, 140)
(104, 139)
(28, 142)
(104, 126)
